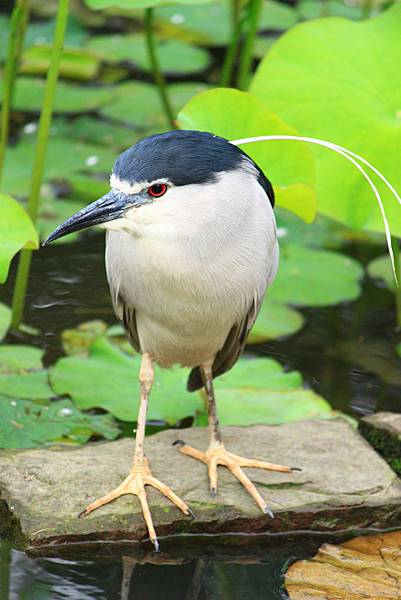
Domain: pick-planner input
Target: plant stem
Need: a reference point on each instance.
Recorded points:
(396, 251)
(254, 11)
(18, 23)
(157, 72)
(39, 160)
(232, 50)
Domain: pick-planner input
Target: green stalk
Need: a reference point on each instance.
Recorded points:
(232, 50)
(396, 251)
(18, 23)
(157, 72)
(39, 160)
(254, 11)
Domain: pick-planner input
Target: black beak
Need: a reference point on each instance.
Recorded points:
(108, 208)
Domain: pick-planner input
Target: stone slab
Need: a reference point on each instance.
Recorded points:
(383, 431)
(344, 485)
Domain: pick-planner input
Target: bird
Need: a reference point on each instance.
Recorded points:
(191, 247)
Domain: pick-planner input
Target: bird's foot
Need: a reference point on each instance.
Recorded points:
(218, 455)
(140, 476)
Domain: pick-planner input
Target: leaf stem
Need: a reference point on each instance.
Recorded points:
(157, 72)
(254, 12)
(18, 23)
(397, 292)
(232, 49)
(39, 160)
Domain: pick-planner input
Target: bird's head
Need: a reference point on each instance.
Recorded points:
(160, 177)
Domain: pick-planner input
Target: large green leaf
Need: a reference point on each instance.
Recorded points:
(310, 277)
(26, 424)
(139, 103)
(109, 379)
(380, 268)
(134, 4)
(22, 374)
(96, 131)
(175, 56)
(70, 98)
(253, 384)
(234, 115)
(310, 80)
(16, 232)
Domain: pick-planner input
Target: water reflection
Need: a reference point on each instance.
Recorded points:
(127, 579)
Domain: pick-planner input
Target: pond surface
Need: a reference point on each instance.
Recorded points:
(341, 351)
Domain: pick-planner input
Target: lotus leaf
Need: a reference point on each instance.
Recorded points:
(16, 231)
(96, 131)
(108, 379)
(139, 103)
(133, 4)
(26, 424)
(175, 56)
(274, 320)
(75, 63)
(70, 98)
(54, 211)
(309, 277)
(355, 103)
(380, 268)
(22, 374)
(235, 115)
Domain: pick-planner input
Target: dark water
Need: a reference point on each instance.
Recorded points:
(346, 353)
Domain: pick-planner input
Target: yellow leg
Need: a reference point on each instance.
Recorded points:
(140, 474)
(218, 455)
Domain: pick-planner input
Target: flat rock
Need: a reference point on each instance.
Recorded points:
(344, 485)
(383, 431)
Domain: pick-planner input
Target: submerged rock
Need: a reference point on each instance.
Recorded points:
(343, 485)
(383, 431)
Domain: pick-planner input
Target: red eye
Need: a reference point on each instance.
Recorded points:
(157, 189)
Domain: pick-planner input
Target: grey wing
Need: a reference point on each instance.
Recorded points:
(228, 355)
(126, 314)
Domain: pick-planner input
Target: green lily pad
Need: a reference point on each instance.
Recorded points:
(380, 268)
(70, 98)
(274, 321)
(309, 277)
(314, 9)
(262, 45)
(64, 157)
(77, 341)
(22, 374)
(209, 24)
(16, 231)
(26, 424)
(235, 115)
(175, 56)
(309, 80)
(250, 406)
(132, 4)
(42, 32)
(91, 382)
(5, 320)
(75, 63)
(139, 103)
(96, 131)
(87, 189)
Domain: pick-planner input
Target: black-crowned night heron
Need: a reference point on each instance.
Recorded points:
(191, 247)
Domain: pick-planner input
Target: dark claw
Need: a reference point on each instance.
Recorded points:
(295, 469)
(179, 443)
(268, 511)
(156, 545)
(191, 513)
(82, 513)
(213, 492)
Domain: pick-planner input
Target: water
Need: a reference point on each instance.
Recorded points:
(343, 352)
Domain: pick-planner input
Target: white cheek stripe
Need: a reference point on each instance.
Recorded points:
(133, 188)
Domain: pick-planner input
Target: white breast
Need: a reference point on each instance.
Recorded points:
(192, 264)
